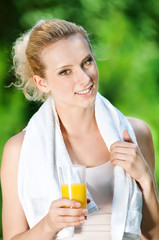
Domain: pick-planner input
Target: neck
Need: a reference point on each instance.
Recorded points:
(76, 121)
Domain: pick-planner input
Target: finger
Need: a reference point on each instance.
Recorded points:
(70, 219)
(66, 203)
(127, 137)
(71, 224)
(123, 150)
(122, 145)
(124, 157)
(127, 166)
(71, 212)
(120, 156)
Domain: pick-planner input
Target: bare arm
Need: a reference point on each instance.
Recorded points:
(15, 226)
(150, 222)
(138, 161)
(12, 214)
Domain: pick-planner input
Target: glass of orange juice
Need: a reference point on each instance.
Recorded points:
(73, 183)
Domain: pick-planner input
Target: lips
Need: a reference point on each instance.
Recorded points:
(85, 91)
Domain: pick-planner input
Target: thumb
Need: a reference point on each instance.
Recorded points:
(127, 137)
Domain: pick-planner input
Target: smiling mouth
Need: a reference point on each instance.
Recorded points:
(85, 91)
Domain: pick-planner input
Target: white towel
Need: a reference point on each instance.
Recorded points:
(43, 150)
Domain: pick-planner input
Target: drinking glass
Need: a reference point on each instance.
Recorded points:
(73, 183)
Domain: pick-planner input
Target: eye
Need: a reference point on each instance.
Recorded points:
(88, 62)
(65, 72)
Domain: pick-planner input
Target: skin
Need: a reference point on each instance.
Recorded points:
(64, 83)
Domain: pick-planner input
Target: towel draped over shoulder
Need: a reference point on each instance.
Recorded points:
(43, 150)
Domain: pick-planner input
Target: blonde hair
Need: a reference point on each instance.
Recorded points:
(27, 53)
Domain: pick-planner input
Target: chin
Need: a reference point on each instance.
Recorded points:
(90, 102)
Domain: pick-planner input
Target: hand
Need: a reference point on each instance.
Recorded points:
(65, 213)
(127, 155)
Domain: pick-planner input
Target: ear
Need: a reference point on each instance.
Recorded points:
(41, 83)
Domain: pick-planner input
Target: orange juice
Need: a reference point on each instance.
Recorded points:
(75, 192)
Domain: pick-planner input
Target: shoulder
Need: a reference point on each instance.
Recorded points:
(140, 127)
(14, 143)
(144, 139)
(13, 218)
(11, 151)
(10, 161)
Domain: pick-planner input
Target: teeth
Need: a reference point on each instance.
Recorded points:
(85, 91)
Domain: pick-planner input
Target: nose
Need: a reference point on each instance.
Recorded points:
(83, 77)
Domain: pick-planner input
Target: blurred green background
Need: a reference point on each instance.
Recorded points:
(125, 39)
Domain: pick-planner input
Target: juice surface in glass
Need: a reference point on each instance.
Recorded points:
(75, 192)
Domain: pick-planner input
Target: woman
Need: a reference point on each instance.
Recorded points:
(55, 61)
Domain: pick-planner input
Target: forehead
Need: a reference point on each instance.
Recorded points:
(66, 51)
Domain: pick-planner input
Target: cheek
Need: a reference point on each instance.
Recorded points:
(62, 86)
(94, 73)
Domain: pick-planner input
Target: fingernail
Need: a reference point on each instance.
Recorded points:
(77, 204)
(84, 211)
(81, 218)
(81, 222)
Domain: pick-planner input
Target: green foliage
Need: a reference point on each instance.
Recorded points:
(125, 39)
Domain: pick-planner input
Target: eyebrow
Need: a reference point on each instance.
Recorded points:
(65, 66)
